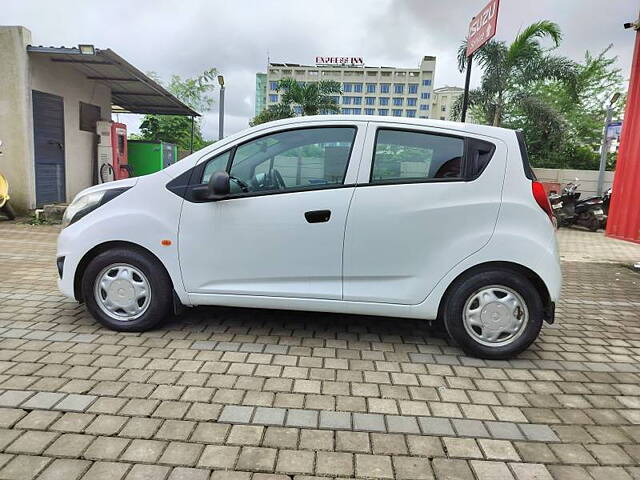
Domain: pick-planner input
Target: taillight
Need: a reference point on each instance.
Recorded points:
(542, 200)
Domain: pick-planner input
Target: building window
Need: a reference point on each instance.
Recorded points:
(424, 107)
(371, 88)
(357, 87)
(413, 88)
(401, 155)
(411, 113)
(397, 101)
(422, 116)
(297, 109)
(370, 100)
(357, 100)
(346, 100)
(313, 73)
(89, 115)
(336, 100)
(444, 108)
(346, 111)
(383, 111)
(425, 95)
(384, 87)
(442, 118)
(397, 112)
(426, 83)
(384, 100)
(347, 87)
(372, 74)
(398, 88)
(369, 111)
(412, 102)
(356, 111)
(273, 98)
(273, 85)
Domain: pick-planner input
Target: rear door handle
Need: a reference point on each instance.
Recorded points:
(318, 216)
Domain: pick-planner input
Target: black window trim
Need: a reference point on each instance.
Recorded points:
(466, 175)
(194, 174)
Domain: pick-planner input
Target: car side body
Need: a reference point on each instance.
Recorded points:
(389, 247)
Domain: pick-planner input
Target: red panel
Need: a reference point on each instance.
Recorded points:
(483, 26)
(624, 213)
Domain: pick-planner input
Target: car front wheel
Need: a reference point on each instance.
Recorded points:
(127, 290)
(493, 314)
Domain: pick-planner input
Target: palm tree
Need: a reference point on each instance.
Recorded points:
(508, 71)
(312, 97)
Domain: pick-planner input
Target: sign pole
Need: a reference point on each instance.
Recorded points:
(604, 150)
(467, 80)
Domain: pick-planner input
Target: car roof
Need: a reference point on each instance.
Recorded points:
(497, 132)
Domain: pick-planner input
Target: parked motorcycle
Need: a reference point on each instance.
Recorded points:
(5, 208)
(570, 210)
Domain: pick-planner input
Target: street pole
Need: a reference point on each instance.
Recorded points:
(221, 115)
(604, 150)
(465, 99)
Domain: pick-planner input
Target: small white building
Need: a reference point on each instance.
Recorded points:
(50, 100)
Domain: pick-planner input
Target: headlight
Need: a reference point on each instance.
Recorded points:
(85, 204)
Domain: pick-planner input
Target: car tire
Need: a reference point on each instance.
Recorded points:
(148, 291)
(519, 313)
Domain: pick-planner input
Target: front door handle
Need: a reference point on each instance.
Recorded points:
(318, 216)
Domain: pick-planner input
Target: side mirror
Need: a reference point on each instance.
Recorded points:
(219, 185)
(217, 188)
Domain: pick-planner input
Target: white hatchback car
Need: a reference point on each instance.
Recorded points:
(366, 215)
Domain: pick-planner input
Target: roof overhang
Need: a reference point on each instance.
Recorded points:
(132, 91)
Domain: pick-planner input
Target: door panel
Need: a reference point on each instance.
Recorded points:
(264, 245)
(281, 232)
(48, 133)
(402, 238)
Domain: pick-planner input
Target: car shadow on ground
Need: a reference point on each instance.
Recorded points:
(253, 321)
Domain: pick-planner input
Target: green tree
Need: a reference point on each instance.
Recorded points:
(273, 112)
(197, 93)
(312, 97)
(509, 71)
(584, 111)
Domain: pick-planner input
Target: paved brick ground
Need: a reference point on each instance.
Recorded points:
(246, 394)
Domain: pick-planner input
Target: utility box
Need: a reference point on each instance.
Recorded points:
(149, 156)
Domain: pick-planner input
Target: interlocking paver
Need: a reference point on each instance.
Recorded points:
(373, 466)
(569, 407)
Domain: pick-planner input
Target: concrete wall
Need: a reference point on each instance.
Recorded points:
(64, 80)
(588, 179)
(16, 130)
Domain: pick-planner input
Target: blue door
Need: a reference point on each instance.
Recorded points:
(48, 139)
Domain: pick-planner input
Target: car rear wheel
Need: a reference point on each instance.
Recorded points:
(493, 314)
(127, 290)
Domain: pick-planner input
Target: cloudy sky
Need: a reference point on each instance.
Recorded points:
(185, 37)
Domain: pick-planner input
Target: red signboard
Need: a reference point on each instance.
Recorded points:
(624, 213)
(483, 27)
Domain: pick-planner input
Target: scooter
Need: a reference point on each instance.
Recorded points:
(5, 208)
(569, 210)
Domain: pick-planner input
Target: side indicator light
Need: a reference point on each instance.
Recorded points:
(165, 243)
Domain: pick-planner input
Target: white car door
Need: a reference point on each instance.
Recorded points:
(426, 199)
(280, 232)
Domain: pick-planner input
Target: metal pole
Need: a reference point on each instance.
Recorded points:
(604, 150)
(192, 127)
(221, 113)
(467, 80)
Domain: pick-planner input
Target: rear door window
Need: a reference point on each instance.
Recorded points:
(411, 156)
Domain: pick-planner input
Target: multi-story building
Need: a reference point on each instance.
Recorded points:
(261, 92)
(443, 100)
(399, 92)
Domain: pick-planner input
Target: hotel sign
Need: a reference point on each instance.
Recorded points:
(342, 61)
(483, 27)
